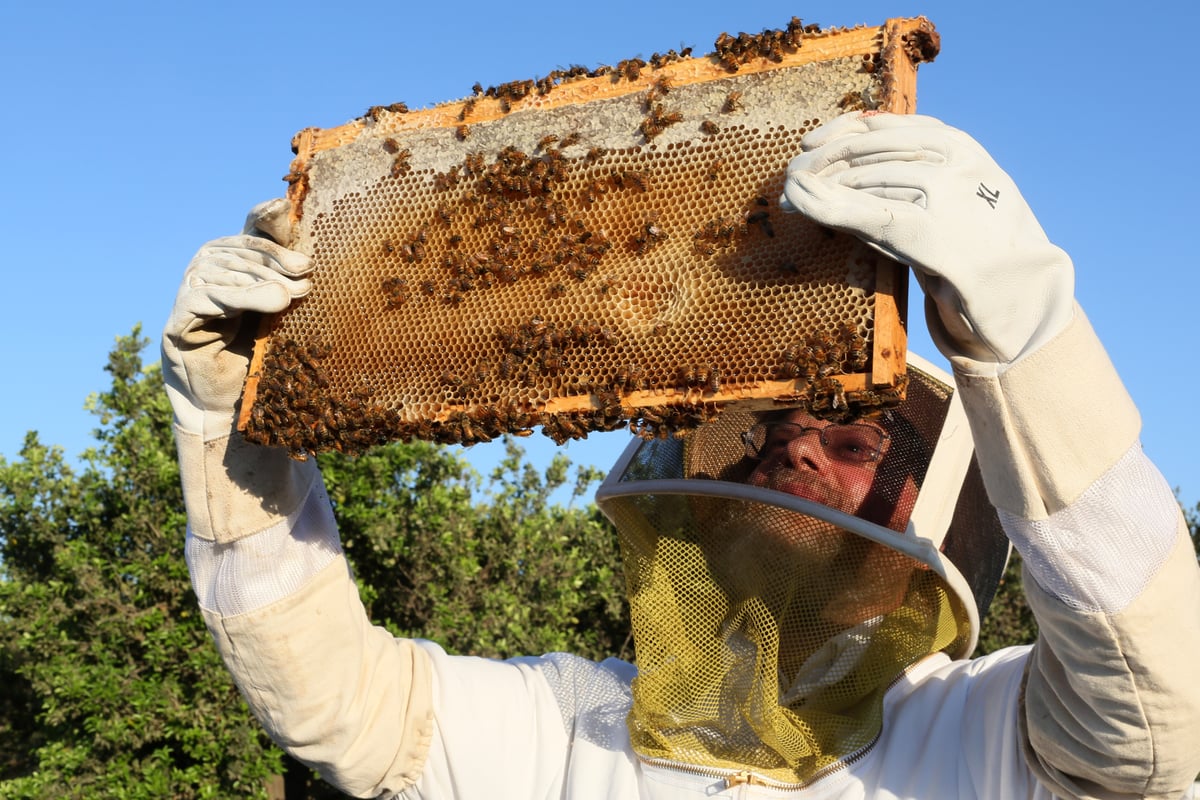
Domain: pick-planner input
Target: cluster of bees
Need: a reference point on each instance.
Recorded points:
(533, 348)
(830, 402)
(731, 51)
(532, 230)
(821, 355)
(293, 407)
(721, 233)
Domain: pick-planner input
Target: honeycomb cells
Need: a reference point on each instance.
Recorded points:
(560, 268)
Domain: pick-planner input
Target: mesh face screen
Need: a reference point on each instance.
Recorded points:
(601, 252)
(767, 638)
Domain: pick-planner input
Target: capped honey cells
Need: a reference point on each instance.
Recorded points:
(595, 249)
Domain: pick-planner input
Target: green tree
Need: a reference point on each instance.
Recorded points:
(113, 687)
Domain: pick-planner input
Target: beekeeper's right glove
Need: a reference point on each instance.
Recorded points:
(231, 489)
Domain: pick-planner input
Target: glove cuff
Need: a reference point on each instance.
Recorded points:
(233, 489)
(1048, 426)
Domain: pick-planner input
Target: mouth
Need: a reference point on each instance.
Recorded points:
(796, 484)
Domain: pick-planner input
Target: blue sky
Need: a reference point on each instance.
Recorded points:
(134, 132)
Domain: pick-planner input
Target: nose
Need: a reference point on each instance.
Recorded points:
(806, 451)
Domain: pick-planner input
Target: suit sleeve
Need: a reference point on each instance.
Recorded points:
(1110, 702)
(338, 693)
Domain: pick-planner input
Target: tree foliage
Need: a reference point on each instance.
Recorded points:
(112, 685)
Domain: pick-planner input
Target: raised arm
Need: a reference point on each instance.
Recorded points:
(263, 551)
(1111, 707)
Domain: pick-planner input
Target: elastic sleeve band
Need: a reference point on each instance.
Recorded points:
(253, 572)
(1100, 552)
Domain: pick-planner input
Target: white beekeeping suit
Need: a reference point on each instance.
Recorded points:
(804, 596)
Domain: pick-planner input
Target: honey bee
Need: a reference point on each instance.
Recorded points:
(507, 366)
(658, 120)
(638, 179)
(630, 69)
(709, 127)
(400, 165)
(733, 102)
(546, 141)
(462, 132)
(832, 389)
(716, 169)
(395, 291)
(657, 91)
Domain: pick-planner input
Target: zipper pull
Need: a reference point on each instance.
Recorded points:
(738, 779)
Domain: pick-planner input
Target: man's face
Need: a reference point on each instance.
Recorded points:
(821, 461)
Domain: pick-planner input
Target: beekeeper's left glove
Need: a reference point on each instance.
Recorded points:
(930, 196)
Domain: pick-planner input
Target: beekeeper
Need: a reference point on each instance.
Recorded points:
(804, 593)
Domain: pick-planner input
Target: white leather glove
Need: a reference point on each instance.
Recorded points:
(205, 350)
(232, 489)
(930, 196)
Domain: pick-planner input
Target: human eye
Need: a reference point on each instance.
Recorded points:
(779, 435)
(853, 442)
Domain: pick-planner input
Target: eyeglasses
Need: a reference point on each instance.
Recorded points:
(856, 443)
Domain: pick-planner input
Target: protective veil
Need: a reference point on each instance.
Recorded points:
(768, 625)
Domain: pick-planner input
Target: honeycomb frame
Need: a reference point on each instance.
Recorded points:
(585, 252)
